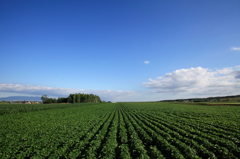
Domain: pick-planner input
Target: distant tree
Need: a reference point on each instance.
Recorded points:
(83, 98)
(49, 100)
(44, 98)
(78, 98)
(70, 98)
(54, 100)
(62, 100)
(74, 98)
(59, 100)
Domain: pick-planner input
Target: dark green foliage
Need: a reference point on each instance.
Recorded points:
(62, 100)
(78, 98)
(84, 98)
(73, 98)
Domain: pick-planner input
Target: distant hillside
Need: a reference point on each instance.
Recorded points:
(21, 98)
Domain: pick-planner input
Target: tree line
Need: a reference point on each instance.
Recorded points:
(208, 99)
(73, 98)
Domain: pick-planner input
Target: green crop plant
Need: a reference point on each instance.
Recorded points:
(119, 130)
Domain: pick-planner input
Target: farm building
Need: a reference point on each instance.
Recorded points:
(26, 102)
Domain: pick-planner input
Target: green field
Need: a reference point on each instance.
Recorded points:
(119, 130)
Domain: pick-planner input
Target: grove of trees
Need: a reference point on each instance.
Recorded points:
(73, 98)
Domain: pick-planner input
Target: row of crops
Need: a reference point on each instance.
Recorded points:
(20, 108)
(121, 130)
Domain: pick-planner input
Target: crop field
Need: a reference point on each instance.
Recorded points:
(119, 130)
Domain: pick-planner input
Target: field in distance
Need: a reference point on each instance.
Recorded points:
(119, 130)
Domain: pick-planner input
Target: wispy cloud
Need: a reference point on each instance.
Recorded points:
(235, 48)
(112, 95)
(198, 81)
(146, 62)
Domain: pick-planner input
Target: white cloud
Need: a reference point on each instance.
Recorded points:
(112, 95)
(235, 48)
(146, 62)
(198, 81)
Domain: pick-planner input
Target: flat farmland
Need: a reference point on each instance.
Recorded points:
(119, 130)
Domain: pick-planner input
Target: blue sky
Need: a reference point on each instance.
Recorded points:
(60, 47)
